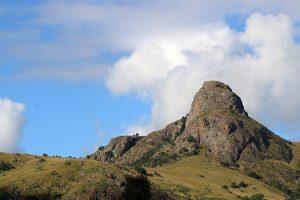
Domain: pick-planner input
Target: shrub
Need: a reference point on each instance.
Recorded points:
(136, 188)
(191, 139)
(141, 170)
(225, 187)
(243, 184)
(100, 148)
(298, 165)
(5, 166)
(253, 175)
(234, 185)
(162, 158)
(88, 156)
(45, 155)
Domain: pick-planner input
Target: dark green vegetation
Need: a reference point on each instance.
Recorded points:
(136, 188)
(5, 166)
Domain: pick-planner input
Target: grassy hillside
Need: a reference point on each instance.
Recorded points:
(195, 177)
(198, 177)
(296, 152)
(52, 177)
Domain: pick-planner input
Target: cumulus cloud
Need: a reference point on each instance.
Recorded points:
(11, 124)
(260, 64)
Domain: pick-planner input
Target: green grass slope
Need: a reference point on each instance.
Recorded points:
(296, 152)
(198, 177)
(36, 177)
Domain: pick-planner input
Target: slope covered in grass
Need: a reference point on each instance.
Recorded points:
(56, 178)
(198, 177)
(296, 152)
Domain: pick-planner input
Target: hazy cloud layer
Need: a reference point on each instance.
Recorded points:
(261, 64)
(11, 124)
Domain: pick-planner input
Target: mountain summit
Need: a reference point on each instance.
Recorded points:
(217, 123)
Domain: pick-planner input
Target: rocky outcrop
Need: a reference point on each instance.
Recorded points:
(116, 148)
(216, 122)
(215, 95)
(217, 117)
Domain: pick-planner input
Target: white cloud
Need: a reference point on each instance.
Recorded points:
(65, 33)
(11, 124)
(261, 65)
(170, 50)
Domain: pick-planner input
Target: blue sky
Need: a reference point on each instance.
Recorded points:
(87, 71)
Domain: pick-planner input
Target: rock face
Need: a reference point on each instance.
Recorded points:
(215, 95)
(216, 122)
(116, 148)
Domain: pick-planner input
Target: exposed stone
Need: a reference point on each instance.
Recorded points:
(116, 148)
(217, 122)
(215, 95)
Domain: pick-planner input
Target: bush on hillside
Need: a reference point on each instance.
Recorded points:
(243, 184)
(234, 185)
(253, 175)
(5, 166)
(136, 188)
(141, 170)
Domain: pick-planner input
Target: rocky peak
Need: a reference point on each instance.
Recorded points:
(215, 95)
(216, 122)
